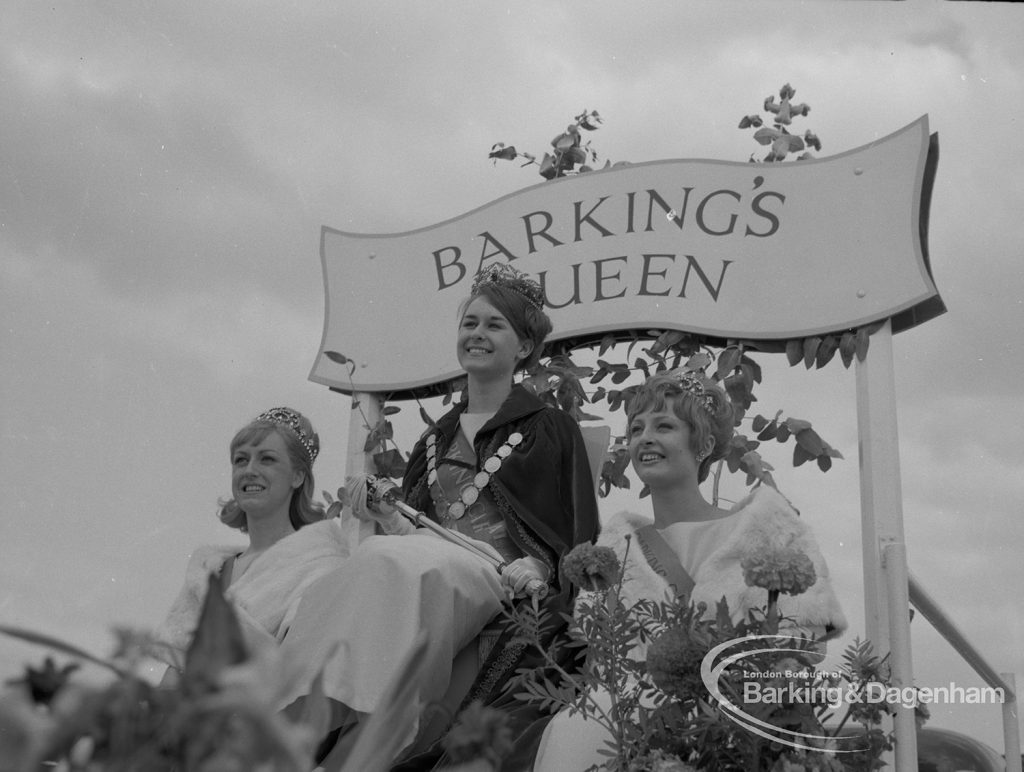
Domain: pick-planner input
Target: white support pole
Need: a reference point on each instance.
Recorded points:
(1011, 725)
(894, 563)
(881, 506)
(366, 411)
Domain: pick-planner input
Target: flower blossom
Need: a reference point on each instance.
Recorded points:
(673, 663)
(591, 567)
(787, 571)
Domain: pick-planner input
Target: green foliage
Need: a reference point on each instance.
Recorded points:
(643, 679)
(780, 141)
(388, 461)
(220, 715)
(569, 153)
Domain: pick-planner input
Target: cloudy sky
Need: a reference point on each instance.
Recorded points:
(166, 167)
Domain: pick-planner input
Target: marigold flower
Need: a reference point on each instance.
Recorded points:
(479, 733)
(673, 663)
(787, 570)
(591, 567)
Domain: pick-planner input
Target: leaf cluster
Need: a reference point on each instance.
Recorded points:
(620, 690)
(221, 713)
(780, 141)
(569, 153)
(732, 365)
(388, 461)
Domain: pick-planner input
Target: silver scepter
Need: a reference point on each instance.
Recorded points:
(383, 490)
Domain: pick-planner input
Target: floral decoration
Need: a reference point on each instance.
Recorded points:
(787, 571)
(592, 568)
(640, 677)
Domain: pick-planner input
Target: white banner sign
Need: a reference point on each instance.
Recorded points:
(717, 248)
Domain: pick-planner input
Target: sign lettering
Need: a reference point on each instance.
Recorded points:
(730, 250)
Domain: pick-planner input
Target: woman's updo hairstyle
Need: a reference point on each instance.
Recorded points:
(695, 399)
(520, 300)
(302, 445)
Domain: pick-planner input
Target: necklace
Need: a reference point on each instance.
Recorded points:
(471, 491)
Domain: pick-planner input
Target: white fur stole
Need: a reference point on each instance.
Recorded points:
(763, 517)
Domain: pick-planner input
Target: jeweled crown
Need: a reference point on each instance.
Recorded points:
(690, 382)
(284, 416)
(504, 275)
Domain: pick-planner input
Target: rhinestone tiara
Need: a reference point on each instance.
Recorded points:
(504, 275)
(284, 416)
(690, 382)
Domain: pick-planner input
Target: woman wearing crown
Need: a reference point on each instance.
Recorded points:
(291, 544)
(502, 468)
(679, 424)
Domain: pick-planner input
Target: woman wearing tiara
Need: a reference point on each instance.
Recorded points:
(290, 542)
(502, 468)
(679, 424)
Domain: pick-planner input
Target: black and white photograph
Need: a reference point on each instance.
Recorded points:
(394, 385)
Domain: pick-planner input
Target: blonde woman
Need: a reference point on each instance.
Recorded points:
(291, 544)
(679, 424)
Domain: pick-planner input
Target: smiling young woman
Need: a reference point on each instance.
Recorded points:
(488, 348)
(290, 542)
(501, 468)
(263, 481)
(679, 424)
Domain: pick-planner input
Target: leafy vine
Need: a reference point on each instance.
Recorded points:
(568, 150)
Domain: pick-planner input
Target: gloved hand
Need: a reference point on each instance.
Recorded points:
(518, 574)
(374, 511)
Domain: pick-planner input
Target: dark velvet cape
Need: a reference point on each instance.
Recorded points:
(546, 495)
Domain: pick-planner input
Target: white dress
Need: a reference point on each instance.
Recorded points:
(710, 551)
(266, 596)
(357, 623)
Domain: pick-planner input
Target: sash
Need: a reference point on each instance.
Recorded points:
(663, 560)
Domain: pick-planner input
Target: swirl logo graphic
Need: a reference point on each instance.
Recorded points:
(733, 653)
